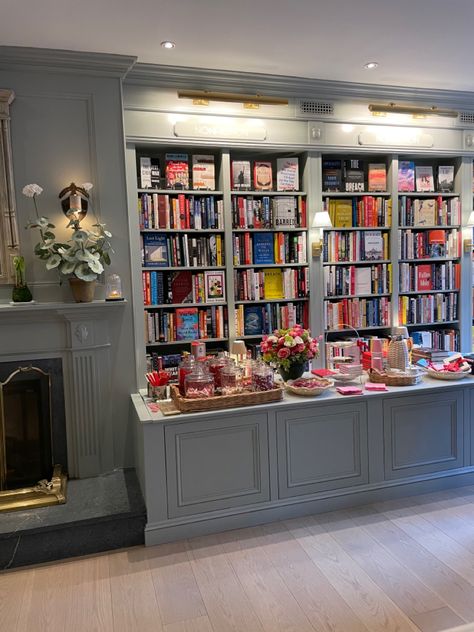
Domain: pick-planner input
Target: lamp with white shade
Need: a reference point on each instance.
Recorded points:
(321, 221)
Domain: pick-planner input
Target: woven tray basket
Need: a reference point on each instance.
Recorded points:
(395, 379)
(308, 392)
(224, 401)
(448, 375)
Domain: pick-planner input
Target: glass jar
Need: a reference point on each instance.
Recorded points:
(185, 367)
(113, 288)
(263, 378)
(199, 384)
(247, 367)
(230, 379)
(216, 365)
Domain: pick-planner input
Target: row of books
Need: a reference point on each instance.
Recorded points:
(186, 323)
(333, 351)
(350, 280)
(427, 308)
(353, 175)
(167, 361)
(287, 175)
(446, 339)
(268, 212)
(180, 212)
(162, 250)
(174, 173)
(256, 320)
(160, 288)
(429, 211)
(271, 284)
(425, 277)
(357, 312)
(413, 177)
(269, 248)
(428, 243)
(355, 246)
(360, 211)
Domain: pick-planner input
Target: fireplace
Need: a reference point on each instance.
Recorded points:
(33, 451)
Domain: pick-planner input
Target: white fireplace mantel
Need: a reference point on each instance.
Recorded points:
(78, 333)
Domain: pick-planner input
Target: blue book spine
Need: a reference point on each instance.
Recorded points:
(154, 287)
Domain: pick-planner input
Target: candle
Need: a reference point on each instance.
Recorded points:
(75, 202)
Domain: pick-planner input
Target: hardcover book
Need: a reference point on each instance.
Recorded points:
(263, 248)
(182, 287)
(273, 283)
(446, 178)
(145, 172)
(406, 176)
(253, 320)
(262, 176)
(204, 172)
(363, 280)
(177, 171)
(287, 174)
(437, 243)
(284, 212)
(424, 178)
(373, 245)
(332, 175)
(214, 281)
(377, 176)
(354, 179)
(424, 212)
(423, 277)
(155, 174)
(241, 175)
(187, 323)
(342, 214)
(155, 249)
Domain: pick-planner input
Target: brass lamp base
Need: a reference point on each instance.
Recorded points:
(44, 494)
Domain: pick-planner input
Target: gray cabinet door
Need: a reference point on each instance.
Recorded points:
(423, 433)
(322, 448)
(217, 464)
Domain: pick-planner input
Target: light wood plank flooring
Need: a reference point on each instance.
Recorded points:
(399, 566)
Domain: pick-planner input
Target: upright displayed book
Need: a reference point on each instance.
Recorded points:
(181, 287)
(187, 323)
(155, 248)
(241, 180)
(204, 172)
(446, 178)
(377, 176)
(263, 248)
(288, 174)
(406, 176)
(177, 171)
(424, 212)
(424, 178)
(285, 212)
(354, 177)
(332, 175)
(273, 283)
(262, 176)
(374, 246)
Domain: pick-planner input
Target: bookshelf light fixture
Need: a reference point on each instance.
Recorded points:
(380, 109)
(321, 220)
(252, 101)
(468, 245)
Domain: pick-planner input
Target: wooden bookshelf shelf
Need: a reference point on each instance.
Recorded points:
(421, 292)
(355, 263)
(175, 305)
(271, 300)
(342, 296)
(184, 342)
(270, 193)
(171, 269)
(351, 228)
(195, 192)
(280, 229)
(270, 265)
(427, 194)
(349, 194)
(182, 230)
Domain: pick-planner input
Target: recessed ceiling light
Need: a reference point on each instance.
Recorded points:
(370, 65)
(168, 44)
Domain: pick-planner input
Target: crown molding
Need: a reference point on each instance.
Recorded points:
(288, 86)
(55, 60)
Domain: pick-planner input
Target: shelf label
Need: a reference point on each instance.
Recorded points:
(225, 129)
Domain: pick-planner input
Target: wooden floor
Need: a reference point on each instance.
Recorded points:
(403, 565)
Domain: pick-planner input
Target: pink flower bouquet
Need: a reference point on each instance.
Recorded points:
(286, 347)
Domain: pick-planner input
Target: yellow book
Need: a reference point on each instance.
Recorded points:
(273, 283)
(219, 249)
(389, 273)
(342, 214)
(389, 213)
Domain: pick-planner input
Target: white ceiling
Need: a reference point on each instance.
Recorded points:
(425, 43)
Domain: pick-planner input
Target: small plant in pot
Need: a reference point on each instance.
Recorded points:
(21, 292)
(82, 258)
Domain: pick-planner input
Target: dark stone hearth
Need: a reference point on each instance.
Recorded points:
(102, 513)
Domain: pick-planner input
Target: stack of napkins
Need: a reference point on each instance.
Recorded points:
(349, 390)
(377, 386)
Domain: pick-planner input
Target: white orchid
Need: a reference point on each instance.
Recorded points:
(87, 186)
(30, 190)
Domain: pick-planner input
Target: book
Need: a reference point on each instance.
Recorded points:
(241, 175)
(287, 174)
(145, 172)
(332, 175)
(187, 323)
(424, 178)
(406, 176)
(253, 320)
(203, 172)
(273, 283)
(363, 280)
(155, 250)
(436, 243)
(284, 212)
(354, 179)
(181, 287)
(262, 176)
(446, 178)
(423, 277)
(424, 212)
(214, 281)
(377, 176)
(373, 245)
(263, 248)
(341, 214)
(177, 171)
(155, 174)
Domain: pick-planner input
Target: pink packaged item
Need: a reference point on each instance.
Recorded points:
(349, 390)
(379, 386)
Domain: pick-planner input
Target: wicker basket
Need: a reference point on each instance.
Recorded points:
(308, 392)
(395, 378)
(224, 401)
(448, 375)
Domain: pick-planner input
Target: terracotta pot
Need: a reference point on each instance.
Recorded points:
(82, 291)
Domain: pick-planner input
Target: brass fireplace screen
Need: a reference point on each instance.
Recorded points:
(29, 475)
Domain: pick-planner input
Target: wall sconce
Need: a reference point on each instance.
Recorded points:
(321, 220)
(74, 201)
(468, 242)
(202, 97)
(417, 111)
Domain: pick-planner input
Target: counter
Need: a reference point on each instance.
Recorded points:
(205, 472)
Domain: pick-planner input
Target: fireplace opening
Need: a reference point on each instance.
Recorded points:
(33, 448)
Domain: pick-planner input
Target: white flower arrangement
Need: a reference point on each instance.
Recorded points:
(83, 256)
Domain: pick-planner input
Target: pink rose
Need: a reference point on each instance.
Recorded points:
(300, 348)
(264, 347)
(310, 355)
(283, 353)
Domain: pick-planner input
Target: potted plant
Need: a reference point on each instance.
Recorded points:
(21, 292)
(82, 258)
(289, 350)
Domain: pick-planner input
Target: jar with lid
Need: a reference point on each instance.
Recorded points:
(262, 377)
(216, 365)
(199, 384)
(185, 367)
(230, 379)
(247, 367)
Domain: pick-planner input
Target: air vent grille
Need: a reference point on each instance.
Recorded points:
(466, 117)
(311, 108)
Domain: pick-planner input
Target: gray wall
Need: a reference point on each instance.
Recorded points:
(68, 127)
